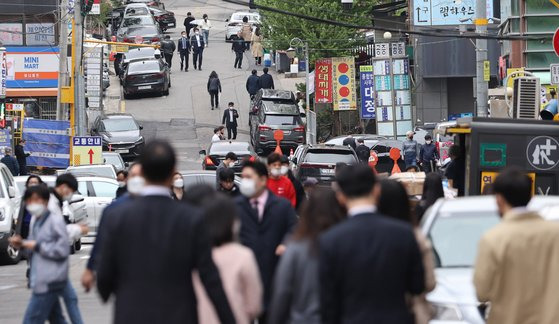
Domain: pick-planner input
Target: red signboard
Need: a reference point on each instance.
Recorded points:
(323, 81)
(556, 42)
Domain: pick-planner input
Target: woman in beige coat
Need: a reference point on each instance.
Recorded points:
(236, 264)
(394, 202)
(257, 49)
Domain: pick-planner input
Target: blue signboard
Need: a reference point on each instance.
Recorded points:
(446, 12)
(48, 142)
(367, 97)
(32, 67)
(5, 139)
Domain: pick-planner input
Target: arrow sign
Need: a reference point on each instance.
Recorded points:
(90, 156)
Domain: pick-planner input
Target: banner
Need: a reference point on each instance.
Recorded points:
(367, 86)
(323, 81)
(343, 84)
(32, 67)
(48, 142)
(3, 73)
(5, 140)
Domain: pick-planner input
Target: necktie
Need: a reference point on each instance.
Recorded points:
(255, 208)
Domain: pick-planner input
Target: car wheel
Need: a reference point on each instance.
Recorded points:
(72, 249)
(78, 245)
(10, 255)
(126, 96)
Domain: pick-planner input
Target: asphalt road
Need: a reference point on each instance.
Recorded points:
(184, 117)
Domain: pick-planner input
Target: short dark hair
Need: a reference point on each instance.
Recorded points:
(67, 179)
(356, 181)
(158, 161)
(284, 159)
(258, 167)
(360, 140)
(33, 177)
(245, 19)
(274, 157)
(254, 72)
(220, 127)
(188, 13)
(454, 151)
(41, 191)
(227, 174)
(265, 70)
(231, 103)
(231, 156)
(123, 172)
(412, 167)
(515, 187)
(167, 37)
(428, 137)
(394, 201)
(219, 223)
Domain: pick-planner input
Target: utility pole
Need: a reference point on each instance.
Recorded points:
(481, 56)
(307, 92)
(78, 85)
(63, 76)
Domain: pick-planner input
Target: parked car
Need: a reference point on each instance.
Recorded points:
(151, 3)
(273, 110)
(115, 160)
(385, 163)
(137, 54)
(121, 134)
(166, 19)
(217, 150)
(236, 21)
(9, 209)
(369, 139)
(146, 76)
(149, 34)
(136, 9)
(202, 177)
(319, 161)
(94, 170)
(455, 228)
(144, 20)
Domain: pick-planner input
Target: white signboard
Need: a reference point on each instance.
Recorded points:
(554, 69)
(11, 34)
(398, 49)
(446, 12)
(39, 34)
(382, 50)
(3, 73)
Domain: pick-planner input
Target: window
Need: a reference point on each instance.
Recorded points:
(540, 60)
(82, 188)
(119, 125)
(144, 66)
(541, 24)
(330, 157)
(190, 180)
(104, 189)
(536, 7)
(281, 120)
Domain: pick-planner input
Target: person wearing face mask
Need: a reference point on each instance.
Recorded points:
(227, 183)
(183, 47)
(134, 185)
(428, 155)
(278, 183)
(228, 162)
(299, 190)
(177, 190)
(48, 245)
(266, 221)
(121, 177)
(197, 43)
(410, 149)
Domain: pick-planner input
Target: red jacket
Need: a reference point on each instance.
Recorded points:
(284, 188)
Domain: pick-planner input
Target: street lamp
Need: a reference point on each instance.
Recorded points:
(297, 42)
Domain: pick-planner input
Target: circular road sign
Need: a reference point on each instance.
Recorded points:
(556, 42)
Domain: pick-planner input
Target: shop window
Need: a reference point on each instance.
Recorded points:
(541, 24)
(540, 60)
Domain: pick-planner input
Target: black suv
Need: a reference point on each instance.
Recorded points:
(319, 161)
(120, 133)
(272, 110)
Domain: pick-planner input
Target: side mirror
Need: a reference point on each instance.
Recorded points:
(141, 127)
(294, 160)
(126, 164)
(202, 152)
(11, 192)
(76, 198)
(227, 20)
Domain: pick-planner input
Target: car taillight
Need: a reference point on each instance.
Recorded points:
(252, 159)
(128, 40)
(209, 161)
(264, 128)
(299, 129)
(155, 39)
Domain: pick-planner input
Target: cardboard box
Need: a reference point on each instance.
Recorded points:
(412, 181)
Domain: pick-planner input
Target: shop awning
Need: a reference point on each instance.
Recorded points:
(32, 92)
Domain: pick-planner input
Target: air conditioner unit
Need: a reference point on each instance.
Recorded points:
(526, 100)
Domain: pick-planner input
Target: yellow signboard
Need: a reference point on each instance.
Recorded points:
(120, 48)
(87, 150)
(488, 177)
(510, 82)
(343, 83)
(486, 71)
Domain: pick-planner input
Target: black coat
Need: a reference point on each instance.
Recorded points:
(183, 49)
(227, 120)
(188, 22)
(21, 156)
(238, 45)
(367, 266)
(253, 84)
(363, 153)
(168, 46)
(299, 189)
(264, 237)
(194, 43)
(11, 163)
(266, 81)
(150, 247)
(350, 141)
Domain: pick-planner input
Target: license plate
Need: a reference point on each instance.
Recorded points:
(171, 24)
(327, 171)
(122, 151)
(286, 132)
(144, 87)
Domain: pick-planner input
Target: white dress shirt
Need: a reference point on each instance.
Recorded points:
(365, 209)
(156, 191)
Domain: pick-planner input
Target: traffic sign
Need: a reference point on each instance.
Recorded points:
(556, 42)
(554, 69)
(87, 150)
(278, 135)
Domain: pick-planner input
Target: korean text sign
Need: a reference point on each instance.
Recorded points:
(323, 81)
(445, 12)
(343, 83)
(367, 86)
(32, 67)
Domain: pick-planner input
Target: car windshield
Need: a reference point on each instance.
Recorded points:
(107, 171)
(119, 124)
(137, 11)
(114, 160)
(330, 156)
(144, 52)
(281, 120)
(142, 20)
(455, 237)
(141, 31)
(143, 66)
(224, 148)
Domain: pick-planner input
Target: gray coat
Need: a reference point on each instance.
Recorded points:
(49, 260)
(296, 298)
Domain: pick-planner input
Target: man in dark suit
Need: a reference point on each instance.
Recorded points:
(21, 157)
(183, 46)
(362, 151)
(266, 80)
(230, 116)
(370, 262)
(148, 268)
(266, 220)
(197, 44)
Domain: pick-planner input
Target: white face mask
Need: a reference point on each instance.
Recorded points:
(36, 209)
(121, 184)
(136, 185)
(284, 169)
(427, 142)
(275, 172)
(248, 187)
(197, 33)
(179, 183)
(183, 36)
(68, 197)
(231, 164)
